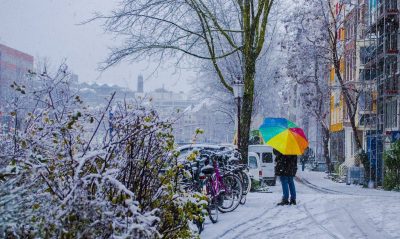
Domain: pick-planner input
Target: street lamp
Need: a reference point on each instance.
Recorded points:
(238, 90)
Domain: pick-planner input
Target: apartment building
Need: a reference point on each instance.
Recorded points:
(14, 66)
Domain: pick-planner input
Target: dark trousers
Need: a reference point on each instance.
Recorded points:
(288, 185)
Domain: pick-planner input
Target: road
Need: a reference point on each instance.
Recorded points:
(325, 210)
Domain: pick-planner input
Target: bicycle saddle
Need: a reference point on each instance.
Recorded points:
(208, 169)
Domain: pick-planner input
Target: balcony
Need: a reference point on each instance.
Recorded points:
(387, 43)
(388, 7)
(389, 86)
(367, 122)
(386, 10)
(367, 102)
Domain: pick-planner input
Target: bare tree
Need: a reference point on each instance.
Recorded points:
(308, 65)
(265, 82)
(208, 30)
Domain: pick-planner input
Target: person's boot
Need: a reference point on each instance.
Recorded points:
(283, 202)
(292, 202)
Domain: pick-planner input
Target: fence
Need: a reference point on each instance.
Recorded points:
(355, 175)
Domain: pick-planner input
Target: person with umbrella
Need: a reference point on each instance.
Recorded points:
(286, 168)
(288, 141)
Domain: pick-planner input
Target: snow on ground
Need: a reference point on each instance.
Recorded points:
(325, 209)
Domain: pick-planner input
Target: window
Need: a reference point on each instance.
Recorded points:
(267, 158)
(391, 114)
(395, 113)
(252, 162)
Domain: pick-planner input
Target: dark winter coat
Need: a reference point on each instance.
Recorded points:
(286, 165)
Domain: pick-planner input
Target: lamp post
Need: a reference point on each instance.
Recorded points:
(238, 87)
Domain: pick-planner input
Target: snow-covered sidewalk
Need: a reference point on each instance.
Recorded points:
(325, 210)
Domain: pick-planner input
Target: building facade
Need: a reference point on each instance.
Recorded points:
(217, 126)
(14, 66)
(337, 107)
(382, 61)
(369, 65)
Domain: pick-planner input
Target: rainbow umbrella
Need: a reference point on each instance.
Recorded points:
(284, 136)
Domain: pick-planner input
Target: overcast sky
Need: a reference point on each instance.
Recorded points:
(49, 29)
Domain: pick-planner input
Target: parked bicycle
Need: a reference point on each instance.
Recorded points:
(221, 177)
(230, 161)
(227, 186)
(198, 182)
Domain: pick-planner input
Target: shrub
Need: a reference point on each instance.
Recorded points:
(392, 167)
(363, 158)
(61, 183)
(255, 185)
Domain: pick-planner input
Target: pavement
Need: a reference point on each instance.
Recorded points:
(325, 209)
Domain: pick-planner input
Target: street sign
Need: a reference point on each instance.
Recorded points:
(395, 136)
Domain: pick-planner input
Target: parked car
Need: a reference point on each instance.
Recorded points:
(261, 162)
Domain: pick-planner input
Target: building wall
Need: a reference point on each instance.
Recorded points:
(336, 147)
(202, 115)
(14, 66)
(352, 27)
(169, 103)
(337, 136)
(384, 26)
(336, 105)
(349, 146)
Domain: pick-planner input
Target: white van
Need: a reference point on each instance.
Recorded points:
(261, 162)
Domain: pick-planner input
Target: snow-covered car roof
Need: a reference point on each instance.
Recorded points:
(186, 149)
(199, 146)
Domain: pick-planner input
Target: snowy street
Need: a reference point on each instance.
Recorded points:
(325, 209)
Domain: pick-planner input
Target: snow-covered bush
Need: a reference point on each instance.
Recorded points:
(392, 167)
(362, 158)
(149, 168)
(78, 173)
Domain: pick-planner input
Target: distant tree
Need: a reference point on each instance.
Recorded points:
(309, 65)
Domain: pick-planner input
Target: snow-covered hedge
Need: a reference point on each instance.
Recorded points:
(392, 167)
(84, 172)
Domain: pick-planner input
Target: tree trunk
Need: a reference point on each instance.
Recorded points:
(325, 140)
(355, 132)
(351, 108)
(247, 108)
(245, 123)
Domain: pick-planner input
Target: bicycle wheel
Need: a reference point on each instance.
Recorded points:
(200, 226)
(212, 210)
(243, 200)
(246, 180)
(232, 193)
